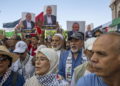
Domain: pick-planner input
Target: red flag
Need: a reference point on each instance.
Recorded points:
(39, 17)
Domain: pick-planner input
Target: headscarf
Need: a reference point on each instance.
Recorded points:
(49, 79)
(52, 57)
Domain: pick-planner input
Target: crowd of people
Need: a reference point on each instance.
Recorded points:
(83, 59)
(36, 61)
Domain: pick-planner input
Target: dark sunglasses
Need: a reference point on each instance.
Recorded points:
(3, 59)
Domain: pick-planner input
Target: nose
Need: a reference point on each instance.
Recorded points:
(94, 59)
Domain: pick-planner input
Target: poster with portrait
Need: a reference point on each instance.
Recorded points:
(28, 22)
(50, 16)
(76, 26)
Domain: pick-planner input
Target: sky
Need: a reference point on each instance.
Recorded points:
(97, 12)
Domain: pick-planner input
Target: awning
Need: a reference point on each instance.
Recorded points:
(115, 22)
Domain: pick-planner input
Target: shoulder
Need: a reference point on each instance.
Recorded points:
(18, 78)
(32, 81)
(64, 54)
(53, 15)
(84, 65)
(88, 80)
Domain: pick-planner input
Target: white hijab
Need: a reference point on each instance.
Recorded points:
(52, 56)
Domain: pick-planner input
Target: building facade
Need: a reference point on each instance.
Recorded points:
(115, 8)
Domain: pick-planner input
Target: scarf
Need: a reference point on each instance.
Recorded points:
(68, 69)
(50, 80)
(5, 77)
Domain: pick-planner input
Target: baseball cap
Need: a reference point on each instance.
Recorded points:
(89, 43)
(77, 35)
(20, 47)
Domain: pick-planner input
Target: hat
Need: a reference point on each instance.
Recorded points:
(77, 35)
(89, 43)
(5, 51)
(59, 35)
(20, 47)
(52, 56)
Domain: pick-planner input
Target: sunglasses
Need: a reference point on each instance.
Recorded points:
(3, 59)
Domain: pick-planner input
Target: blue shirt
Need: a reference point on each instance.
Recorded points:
(19, 81)
(91, 80)
(75, 62)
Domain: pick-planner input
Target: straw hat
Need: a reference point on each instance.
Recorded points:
(5, 51)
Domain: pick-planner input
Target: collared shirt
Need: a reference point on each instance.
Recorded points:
(91, 80)
(49, 19)
(75, 62)
(29, 25)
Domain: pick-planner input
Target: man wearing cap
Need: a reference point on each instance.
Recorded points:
(105, 61)
(24, 64)
(58, 43)
(85, 68)
(73, 57)
(7, 76)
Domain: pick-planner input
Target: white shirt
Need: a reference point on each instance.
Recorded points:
(49, 20)
(29, 25)
(29, 68)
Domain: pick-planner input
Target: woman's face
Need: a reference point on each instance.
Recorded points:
(42, 64)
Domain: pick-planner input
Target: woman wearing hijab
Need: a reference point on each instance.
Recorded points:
(45, 69)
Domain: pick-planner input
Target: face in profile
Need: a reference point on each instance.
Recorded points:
(75, 27)
(49, 10)
(42, 64)
(105, 58)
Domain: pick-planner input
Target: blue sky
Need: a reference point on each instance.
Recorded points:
(91, 11)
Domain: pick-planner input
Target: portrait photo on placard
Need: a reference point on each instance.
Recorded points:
(76, 26)
(50, 15)
(28, 20)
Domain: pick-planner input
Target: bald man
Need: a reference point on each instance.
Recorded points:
(105, 61)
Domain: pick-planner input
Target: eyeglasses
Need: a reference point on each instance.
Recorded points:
(3, 59)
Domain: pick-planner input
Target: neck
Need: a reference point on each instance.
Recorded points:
(75, 55)
(113, 80)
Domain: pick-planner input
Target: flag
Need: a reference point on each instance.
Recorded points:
(11, 24)
(39, 17)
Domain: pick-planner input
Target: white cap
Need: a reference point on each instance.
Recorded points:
(20, 47)
(59, 35)
(89, 43)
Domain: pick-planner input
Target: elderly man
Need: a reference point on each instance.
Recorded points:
(7, 76)
(105, 61)
(28, 23)
(49, 19)
(72, 58)
(24, 64)
(58, 43)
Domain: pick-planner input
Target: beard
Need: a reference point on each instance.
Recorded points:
(74, 50)
(57, 48)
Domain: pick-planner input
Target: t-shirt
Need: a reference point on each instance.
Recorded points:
(91, 80)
